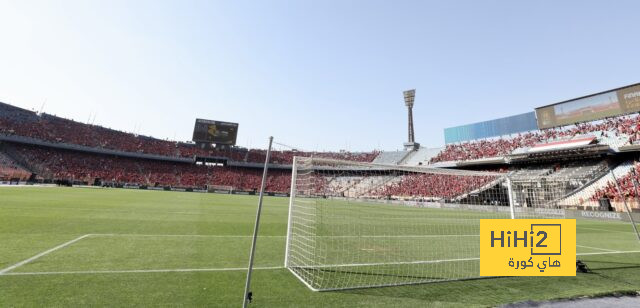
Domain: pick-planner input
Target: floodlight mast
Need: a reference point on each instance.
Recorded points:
(409, 98)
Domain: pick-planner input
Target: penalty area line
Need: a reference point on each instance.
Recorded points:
(177, 270)
(42, 254)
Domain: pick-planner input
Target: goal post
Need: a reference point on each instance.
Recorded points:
(357, 225)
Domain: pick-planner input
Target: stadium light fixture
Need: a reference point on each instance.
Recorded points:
(409, 97)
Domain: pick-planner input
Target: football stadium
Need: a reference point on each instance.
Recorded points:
(91, 215)
(97, 216)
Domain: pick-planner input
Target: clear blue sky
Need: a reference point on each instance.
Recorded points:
(320, 75)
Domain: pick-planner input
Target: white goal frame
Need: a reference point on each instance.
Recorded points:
(435, 236)
(508, 212)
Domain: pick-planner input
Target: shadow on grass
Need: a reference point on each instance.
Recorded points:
(490, 291)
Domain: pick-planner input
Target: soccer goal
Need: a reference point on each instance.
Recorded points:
(357, 225)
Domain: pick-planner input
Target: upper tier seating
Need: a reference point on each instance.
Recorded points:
(615, 132)
(20, 122)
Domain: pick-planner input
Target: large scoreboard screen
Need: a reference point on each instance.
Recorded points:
(589, 108)
(217, 132)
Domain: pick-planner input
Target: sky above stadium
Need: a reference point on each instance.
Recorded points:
(317, 75)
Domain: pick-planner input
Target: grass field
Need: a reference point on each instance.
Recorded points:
(108, 247)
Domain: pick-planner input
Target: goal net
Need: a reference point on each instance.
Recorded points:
(357, 225)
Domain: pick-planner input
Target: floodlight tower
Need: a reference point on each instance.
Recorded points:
(409, 97)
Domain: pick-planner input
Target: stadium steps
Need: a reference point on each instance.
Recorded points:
(12, 154)
(390, 157)
(585, 193)
(10, 168)
(420, 156)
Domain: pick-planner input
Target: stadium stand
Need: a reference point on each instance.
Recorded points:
(614, 132)
(119, 166)
(390, 157)
(10, 170)
(421, 156)
(584, 170)
(21, 122)
(625, 181)
(528, 172)
(82, 167)
(429, 185)
(587, 196)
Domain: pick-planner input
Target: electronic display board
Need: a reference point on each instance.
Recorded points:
(217, 132)
(589, 108)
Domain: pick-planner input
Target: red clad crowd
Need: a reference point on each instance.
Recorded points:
(430, 185)
(610, 191)
(625, 125)
(16, 121)
(80, 166)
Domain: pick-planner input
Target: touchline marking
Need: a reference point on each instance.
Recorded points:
(178, 270)
(179, 235)
(279, 236)
(596, 248)
(395, 236)
(21, 263)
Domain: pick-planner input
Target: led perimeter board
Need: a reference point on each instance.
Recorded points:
(218, 132)
(589, 108)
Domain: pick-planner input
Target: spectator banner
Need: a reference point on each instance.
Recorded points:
(527, 247)
(589, 108)
(217, 132)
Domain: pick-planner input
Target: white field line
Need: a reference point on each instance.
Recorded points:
(391, 263)
(5, 272)
(21, 263)
(394, 236)
(178, 270)
(596, 248)
(606, 230)
(268, 267)
(178, 235)
(104, 210)
(281, 236)
(606, 253)
(27, 186)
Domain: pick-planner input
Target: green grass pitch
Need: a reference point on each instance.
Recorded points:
(156, 248)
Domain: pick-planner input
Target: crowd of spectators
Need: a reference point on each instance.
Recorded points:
(75, 166)
(17, 121)
(434, 185)
(610, 191)
(624, 125)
